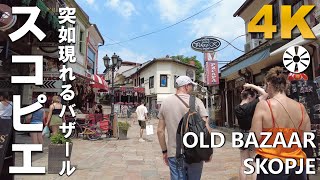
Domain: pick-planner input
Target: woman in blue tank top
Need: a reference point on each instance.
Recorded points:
(37, 117)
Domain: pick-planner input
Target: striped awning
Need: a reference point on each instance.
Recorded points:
(98, 82)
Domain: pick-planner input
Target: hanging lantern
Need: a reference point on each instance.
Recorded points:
(297, 77)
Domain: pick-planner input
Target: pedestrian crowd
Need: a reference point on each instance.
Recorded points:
(266, 109)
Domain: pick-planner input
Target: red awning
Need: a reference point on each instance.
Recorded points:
(98, 82)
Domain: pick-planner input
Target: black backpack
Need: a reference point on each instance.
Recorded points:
(192, 122)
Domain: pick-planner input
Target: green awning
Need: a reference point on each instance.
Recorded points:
(45, 13)
(26, 2)
(44, 9)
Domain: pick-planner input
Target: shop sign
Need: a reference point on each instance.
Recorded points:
(205, 44)
(212, 73)
(7, 20)
(5, 135)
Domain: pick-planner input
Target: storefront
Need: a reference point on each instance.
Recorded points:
(125, 98)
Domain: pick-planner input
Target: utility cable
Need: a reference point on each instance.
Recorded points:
(156, 31)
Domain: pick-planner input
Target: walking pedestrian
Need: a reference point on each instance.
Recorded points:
(171, 111)
(244, 113)
(54, 121)
(142, 115)
(280, 114)
(37, 117)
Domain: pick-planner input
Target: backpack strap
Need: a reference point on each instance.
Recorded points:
(192, 103)
(182, 101)
(178, 140)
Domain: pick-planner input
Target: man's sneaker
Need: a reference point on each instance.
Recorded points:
(141, 140)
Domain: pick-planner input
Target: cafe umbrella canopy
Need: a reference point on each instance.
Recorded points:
(98, 83)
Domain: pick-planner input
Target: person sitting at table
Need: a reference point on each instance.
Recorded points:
(98, 109)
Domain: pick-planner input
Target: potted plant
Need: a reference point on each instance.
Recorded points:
(123, 130)
(57, 152)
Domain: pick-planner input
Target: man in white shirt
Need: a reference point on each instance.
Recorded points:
(142, 116)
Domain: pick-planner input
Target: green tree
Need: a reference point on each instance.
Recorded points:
(198, 64)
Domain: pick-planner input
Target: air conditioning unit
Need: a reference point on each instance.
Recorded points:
(255, 43)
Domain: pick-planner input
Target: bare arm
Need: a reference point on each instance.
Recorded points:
(162, 140)
(49, 115)
(257, 120)
(161, 134)
(207, 123)
(261, 91)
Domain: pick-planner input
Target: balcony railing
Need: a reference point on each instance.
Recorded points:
(54, 5)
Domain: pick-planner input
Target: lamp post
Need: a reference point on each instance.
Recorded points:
(114, 65)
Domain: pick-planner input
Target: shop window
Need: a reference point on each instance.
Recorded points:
(258, 35)
(91, 60)
(151, 82)
(163, 80)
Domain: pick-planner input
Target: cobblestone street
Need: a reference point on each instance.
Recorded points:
(131, 159)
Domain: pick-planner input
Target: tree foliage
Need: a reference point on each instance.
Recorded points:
(186, 60)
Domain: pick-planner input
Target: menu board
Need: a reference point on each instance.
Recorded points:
(307, 93)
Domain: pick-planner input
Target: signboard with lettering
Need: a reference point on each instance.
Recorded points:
(307, 93)
(212, 73)
(5, 135)
(7, 20)
(205, 44)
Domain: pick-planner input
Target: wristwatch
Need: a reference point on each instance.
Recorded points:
(165, 151)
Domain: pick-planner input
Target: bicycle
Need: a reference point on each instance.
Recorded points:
(92, 132)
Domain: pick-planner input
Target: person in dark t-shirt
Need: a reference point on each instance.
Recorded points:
(244, 113)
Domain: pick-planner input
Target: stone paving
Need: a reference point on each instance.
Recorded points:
(130, 159)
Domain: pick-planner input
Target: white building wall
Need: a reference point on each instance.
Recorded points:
(80, 66)
(166, 68)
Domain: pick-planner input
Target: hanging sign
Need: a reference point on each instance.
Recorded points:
(212, 73)
(205, 44)
(7, 20)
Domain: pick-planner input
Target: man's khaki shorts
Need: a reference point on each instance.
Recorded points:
(142, 124)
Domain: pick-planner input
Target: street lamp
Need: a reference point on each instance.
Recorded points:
(116, 62)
